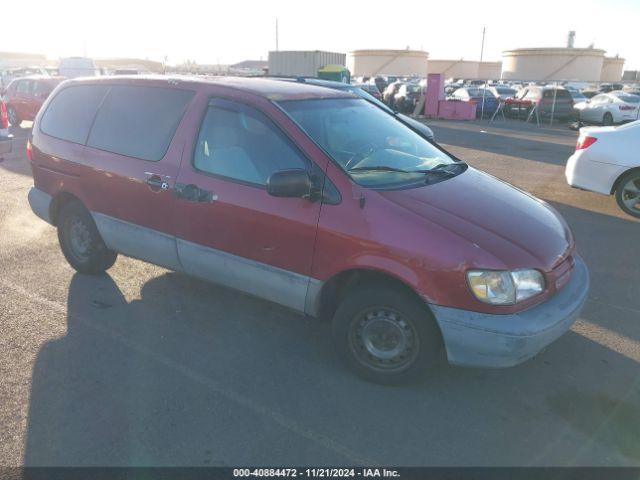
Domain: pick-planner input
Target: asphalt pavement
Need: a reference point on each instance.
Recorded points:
(148, 367)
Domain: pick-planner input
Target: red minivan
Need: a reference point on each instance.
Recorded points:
(312, 198)
(25, 96)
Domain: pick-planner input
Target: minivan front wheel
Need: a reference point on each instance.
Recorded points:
(80, 241)
(607, 120)
(385, 334)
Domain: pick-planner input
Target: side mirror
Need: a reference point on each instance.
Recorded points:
(293, 183)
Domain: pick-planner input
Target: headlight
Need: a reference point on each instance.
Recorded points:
(504, 287)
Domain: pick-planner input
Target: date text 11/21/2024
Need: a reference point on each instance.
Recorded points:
(316, 472)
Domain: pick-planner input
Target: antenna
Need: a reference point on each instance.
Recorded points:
(482, 47)
(276, 34)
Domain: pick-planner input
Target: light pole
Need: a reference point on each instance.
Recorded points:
(484, 90)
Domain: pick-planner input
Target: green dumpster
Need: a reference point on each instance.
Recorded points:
(337, 73)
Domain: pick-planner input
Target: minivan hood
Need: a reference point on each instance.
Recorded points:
(514, 228)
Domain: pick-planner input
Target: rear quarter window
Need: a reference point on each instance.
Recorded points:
(71, 111)
(139, 121)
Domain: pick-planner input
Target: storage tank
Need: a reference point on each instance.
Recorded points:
(369, 63)
(579, 64)
(489, 70)
(454, 68)
(302, 63)
(612, 69)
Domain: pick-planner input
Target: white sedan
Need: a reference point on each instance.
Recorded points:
(606, 161)
(609, 108)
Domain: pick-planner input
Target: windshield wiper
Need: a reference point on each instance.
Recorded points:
(438, 169)
(381, 168)
(444, 168)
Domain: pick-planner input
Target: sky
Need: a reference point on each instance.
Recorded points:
(232, 31)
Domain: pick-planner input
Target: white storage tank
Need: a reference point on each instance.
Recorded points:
(538, 64)
(406, 63)
(302, 63)
(455, 68)
(489, 70)
(612, 68)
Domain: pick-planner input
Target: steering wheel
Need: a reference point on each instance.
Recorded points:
(362, 149)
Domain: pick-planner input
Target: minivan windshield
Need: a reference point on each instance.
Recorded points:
(372, 146)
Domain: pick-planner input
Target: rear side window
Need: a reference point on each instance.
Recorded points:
(139, 121)
(70, 113)
(42, 87)
(24, 86)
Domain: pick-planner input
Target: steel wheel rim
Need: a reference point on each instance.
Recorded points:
(631, 194)
(382, 339)
(79, 239)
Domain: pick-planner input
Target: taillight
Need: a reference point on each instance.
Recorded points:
(29, 152)
(4, 118)
(585, 142)
(626, 107)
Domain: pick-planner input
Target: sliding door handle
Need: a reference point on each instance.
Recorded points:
(193, 193)
(157, 181)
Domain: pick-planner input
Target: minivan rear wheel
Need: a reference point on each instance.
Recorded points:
(81, 242)
(628, 193)
(385, 334)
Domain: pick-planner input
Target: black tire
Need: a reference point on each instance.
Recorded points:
(625, 196)
(400, 315)
(13, 117)
(81, 242)
(607, 120)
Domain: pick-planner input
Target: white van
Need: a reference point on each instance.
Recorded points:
(73, 67)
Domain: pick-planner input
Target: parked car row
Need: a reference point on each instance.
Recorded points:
(485, 100)
(403, 95)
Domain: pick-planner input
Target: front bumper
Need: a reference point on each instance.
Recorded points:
(494, 341)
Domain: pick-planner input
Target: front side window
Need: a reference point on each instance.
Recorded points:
(373, 147)
(241, 143)
(139, 121)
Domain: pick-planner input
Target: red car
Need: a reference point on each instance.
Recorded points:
(24, 97)
(312, 198)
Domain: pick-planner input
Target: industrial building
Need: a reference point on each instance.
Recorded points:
(466, 69)
(133, 64)
(370, 63)
(19, 60)
(302, 63)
